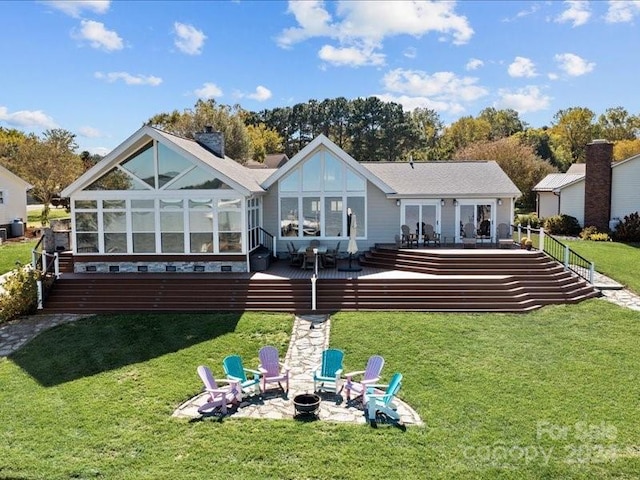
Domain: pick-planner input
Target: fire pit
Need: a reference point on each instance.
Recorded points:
(306, 404)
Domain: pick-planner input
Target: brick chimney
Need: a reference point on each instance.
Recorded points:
(212, 141)
(597, 184)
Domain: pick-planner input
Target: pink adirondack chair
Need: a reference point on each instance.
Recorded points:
(370, 375)
(272, 369)
(219, 397)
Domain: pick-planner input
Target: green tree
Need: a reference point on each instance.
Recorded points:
(504, 123)
(518, 161)
(223, 118)
(48, 163)
(466, 131)
(425, 138)
(575, 128)
(616, 124)
(264, 141)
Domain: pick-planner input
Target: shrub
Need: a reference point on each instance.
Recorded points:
(528, 219)
(628, 230)
(592, 233)
(562, 225)
(20, 295)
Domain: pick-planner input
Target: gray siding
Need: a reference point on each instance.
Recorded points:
(383, 218)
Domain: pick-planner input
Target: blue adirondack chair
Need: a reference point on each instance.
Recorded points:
(327, 374)
(234, 370)
(382, 402)
(370, 375)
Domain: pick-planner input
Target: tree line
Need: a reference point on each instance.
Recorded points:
(368, 129)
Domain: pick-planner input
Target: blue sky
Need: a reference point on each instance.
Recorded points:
(100, 69)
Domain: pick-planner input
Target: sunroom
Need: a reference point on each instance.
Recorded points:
(164, 203)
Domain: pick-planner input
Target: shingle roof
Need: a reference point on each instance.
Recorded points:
(554, 181)
(459, 179)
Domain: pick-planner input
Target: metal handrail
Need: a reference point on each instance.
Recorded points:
(554, 248)
(48, 265)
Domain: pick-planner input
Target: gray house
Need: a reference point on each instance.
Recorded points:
(159, 202)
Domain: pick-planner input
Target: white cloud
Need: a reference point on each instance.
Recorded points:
(553, 76)
(261, 94)
(410, 52)
(75, 8)
(350, 56)
(208, 90)
(622, 12)
(523, 100)
(522, 67)
(474, 64)
(441, 91)
(189, 39)
(27, 118)
(578, 12)
(573, 65)
(98, 36)
(89, 132)
(102, 151)
(361, 27)
(129, 79)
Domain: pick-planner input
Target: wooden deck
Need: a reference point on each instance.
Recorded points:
(451, 280)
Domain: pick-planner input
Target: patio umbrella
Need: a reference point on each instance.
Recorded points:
(352, 248)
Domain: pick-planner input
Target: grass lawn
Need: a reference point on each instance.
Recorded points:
(551, 394)
(33, 215)
(12, 252)
(616, 260)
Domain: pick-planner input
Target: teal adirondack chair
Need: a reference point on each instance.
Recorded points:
(327, 374)
(234, 370)
(377, 401)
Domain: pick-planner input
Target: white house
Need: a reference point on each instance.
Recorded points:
(159, 202)
(615, 188)
(13, 199)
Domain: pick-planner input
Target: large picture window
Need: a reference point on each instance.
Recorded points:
(315, 196)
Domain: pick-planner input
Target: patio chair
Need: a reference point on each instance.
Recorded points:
(326, 376)
(430, 235)
(370, 375)
(330, 259)
(218, 397)
(314, 243)
(469, 238)
(408, 239)
(309, 259)
(379, 402)
(505, 238)
(295, 259)
(234, 370)
(272, 369)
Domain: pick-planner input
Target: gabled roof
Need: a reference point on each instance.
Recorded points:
(322, 140)
(235, 175)
(15, 178)
(557, 181)
(445, 179)
(577, 168)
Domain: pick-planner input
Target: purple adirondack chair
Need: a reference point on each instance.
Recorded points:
(370, 375)
(272, 370)
(219, 397)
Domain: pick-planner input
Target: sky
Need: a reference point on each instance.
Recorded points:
(100, 69)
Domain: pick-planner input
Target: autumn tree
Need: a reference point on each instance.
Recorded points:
(625, 149)
(466, 131)
(518, 161)
(617, 124)
(503, 123)
(264, 141)
(48, 163)
(575, 128)
(223, 118)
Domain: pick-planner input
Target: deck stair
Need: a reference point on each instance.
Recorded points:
(451, 281)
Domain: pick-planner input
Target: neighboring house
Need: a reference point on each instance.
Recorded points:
(272, 160)
(159, 202)
(13, 199)
(598, 192)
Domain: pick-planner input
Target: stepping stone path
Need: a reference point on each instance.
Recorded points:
(310, 336)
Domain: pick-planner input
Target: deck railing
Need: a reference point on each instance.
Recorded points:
(559, 251)
(48, 264)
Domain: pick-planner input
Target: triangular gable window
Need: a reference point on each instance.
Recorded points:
(141, 165)
(116, 179)
(170, 165)
(198, 179)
